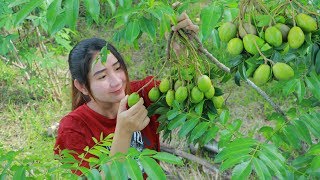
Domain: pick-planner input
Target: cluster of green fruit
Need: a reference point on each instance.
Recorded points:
(273, 35)
(263, 73)
(181, 91)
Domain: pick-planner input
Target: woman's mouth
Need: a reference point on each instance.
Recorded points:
(117, 91)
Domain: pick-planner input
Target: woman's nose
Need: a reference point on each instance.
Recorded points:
(115, 80)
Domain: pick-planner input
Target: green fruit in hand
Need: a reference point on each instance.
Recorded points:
(154, 94)
(170, 97)
(177, 84)
(164, 85)
(181, 94)
(273, 36)
(284, 29)
(249, 45)
(196, 95)
(262, 74)
(247, 28)
(218, 101)
(295, 37)
(235, 46)
(133, 99)
(227, 31)
(306, 22)
(210, 93)
(282, 71)
(204, 83)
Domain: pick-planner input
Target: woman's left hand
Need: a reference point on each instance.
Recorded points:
(184, 22)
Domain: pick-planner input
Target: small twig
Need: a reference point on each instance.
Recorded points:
(292, 12)
(261, 54)
(305, 9)
(190, 157)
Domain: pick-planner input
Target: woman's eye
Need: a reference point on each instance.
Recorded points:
(102, 77)
(118, 68)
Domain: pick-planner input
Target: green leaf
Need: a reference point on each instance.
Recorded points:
(172, 114)
(313, 83)
(168, 158)
(118, 170)
(232, 153)
(93, 8)
(199, 108)
(133, 169)
(224, 116)
(270, 162)
(26, 10)
(314, 150)
(52, 12)
(211, 133)
(148, 152)
(290, 86)
(164, 25)
(149, 27)
(20, 173)
(273, 151)
(72, 12)
(315, 164)
(302, 131)
(58, 24)
(312, 124)
(106, 171)
(152, 168)
(291, 135)
(300, 90)
(188, 126)
(177, 121)
(261, 169)
(94, 174)
(209, 18)
(199, 130)
(242, 171)
(232, 161)
(112, 6)
(215, 38)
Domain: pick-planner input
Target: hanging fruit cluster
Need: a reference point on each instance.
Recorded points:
(267, 38)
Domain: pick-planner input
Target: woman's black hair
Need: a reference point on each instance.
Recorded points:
(80, 60)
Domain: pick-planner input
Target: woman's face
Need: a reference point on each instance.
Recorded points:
(107, 81)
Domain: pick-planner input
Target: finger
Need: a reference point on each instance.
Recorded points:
(183, 16)
(140, 115)
(123, 104)
(182, 24)
(135, 108)
(144, 123)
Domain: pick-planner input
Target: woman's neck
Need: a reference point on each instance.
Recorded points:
(108, 110)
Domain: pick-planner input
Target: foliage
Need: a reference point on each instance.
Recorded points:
(290, 148)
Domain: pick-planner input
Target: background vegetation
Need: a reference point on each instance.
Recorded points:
(37, 35)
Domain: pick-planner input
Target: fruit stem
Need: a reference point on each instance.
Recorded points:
(266, 11)
(292, 12)
(261, 54)
(305, 9)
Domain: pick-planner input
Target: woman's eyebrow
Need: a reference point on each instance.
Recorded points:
(104, 69)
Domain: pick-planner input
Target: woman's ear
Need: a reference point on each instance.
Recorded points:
(81, 87)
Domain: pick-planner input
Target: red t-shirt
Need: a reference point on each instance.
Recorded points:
(78, 127)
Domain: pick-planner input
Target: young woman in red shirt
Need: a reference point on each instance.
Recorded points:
(99, 101)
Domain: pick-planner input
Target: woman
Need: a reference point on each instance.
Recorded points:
(99, 101)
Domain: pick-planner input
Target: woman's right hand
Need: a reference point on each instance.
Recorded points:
(132, 119)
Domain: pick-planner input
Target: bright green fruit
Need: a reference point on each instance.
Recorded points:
(235, 46)
(227, 31)
(249, 45)
(295, 37)
(133, 99)
(284, 29)
(204, 83)
(154, 94)
(196, 95)
(273, 36)
(219, 111)
(164, 85)
(218, 101)
(247, 28)
(170, 97)
(282, 71)
(177, 84)
(262, 74)
(306, 22)
(181, 94)
(210, 93)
